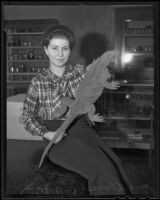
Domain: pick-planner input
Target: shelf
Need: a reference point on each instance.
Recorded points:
(128, 92)
(141, 54)
(25, 47)
(123, 132)
(26, 33)
(28, 60)
(138, 84)
(138, 35)
(22, 85)
(22, 73)
(127, 145)
(18, 81)
(121, 117)
(121, 141)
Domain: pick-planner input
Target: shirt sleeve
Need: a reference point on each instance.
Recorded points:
(28, 117)
(78, 75)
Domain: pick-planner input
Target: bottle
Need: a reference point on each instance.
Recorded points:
(32, 68)
(16, 69)
(142, 30)
(150, 63)
(31, 55)
(149, 48)
(36, 56)
(145, 48)
(21, 69)
(137, 30)
(29, 43)
(10, 42)
(11, 68)
(19, 41)
(16, 56)
(10, 77)
(25, 43)
(40, 56)
(25, 55)
(11, 57)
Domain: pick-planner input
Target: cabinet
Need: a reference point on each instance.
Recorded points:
(24, 53)
(129, 110)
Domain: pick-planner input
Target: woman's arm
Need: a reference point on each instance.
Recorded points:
(28, 117)
(78, 75)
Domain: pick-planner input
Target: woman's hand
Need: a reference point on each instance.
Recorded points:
(113, 85)
(50, 134)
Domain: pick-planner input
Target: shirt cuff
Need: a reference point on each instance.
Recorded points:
(45, 130)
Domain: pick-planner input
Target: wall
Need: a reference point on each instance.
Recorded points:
(80, 18)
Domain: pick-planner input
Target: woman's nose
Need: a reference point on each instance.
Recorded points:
(60, 52)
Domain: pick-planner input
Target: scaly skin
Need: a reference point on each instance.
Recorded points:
(88, 92)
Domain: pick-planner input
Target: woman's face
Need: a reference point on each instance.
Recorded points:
(58, 51)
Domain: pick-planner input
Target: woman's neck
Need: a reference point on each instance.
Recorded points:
(58, 71)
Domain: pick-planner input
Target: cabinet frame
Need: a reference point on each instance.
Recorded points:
(24, 28)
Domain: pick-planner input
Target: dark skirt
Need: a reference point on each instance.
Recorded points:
(84, 152)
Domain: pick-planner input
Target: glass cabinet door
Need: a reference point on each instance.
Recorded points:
(129, 109)
(137, 60)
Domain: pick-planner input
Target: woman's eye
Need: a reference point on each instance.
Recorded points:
(66, 48)
(54, 48)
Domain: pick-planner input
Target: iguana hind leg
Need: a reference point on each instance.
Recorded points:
(65, 103)
(94, 117)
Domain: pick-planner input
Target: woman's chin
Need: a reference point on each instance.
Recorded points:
(59, 65)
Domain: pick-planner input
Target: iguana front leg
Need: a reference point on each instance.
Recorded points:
(94, 117)
(113, 85)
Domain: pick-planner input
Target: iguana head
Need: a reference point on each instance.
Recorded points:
(106, 59)
(109, 57)
(98, 70)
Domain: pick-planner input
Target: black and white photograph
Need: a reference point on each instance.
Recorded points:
(80, 100)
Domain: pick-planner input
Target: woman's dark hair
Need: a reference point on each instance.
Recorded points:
(58, 31)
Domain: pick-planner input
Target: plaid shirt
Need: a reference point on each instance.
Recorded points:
(43, 98)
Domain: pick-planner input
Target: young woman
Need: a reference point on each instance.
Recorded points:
(81, 150)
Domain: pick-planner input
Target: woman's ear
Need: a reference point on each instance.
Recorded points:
(45, 49)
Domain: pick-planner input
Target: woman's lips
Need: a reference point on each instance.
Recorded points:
(60, 60)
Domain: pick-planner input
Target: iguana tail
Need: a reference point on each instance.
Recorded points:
(62, 128)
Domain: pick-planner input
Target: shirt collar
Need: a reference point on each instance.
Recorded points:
(68, 72)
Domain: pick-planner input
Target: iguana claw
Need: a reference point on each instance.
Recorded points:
(96, 118)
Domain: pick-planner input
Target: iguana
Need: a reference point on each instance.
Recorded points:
(89, 90)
